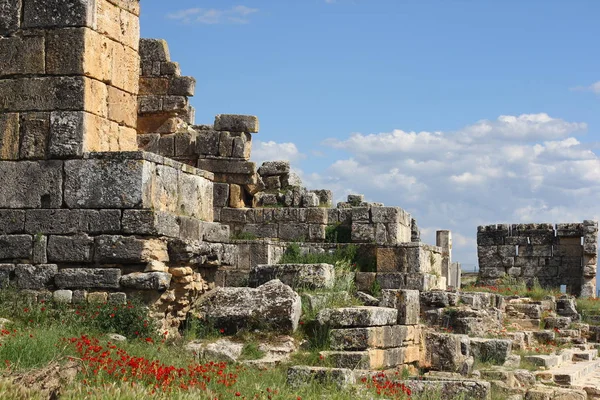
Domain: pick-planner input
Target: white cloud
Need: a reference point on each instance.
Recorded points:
(211, 16)
(594, 87)
(273, 151)
(530, 167)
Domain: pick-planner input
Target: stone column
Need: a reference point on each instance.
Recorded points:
(443, 239)
(69, 76)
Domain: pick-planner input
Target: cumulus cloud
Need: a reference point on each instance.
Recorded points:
(594, 87)
(210, 16)
(525, 168)
(272, 151)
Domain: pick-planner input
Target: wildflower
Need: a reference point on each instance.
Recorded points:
(222, 330)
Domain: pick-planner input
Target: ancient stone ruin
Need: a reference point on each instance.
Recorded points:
(556, 255)
(111, 190)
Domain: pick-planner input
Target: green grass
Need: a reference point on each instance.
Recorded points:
(588, 307)
(252, 352)
(510, 286)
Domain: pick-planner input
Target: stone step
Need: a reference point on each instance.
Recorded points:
(372, 359)
(357, 317)
(569, 374)
(544, 360)
(585, 355)
(380, 337)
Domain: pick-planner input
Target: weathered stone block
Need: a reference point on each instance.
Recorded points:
(207, 143)
(146, 280)
(262, 230)
(88, 278)
(35, 277)
(128, 249)
(15, 247)
(35, 131)
(97, 297)
(236, 123)
(147, 222)
(10, 16)
(7, 272)
(350, 317)
(62, 296)
(293, 231)
(310, 276)
(359, 339)
(227, 166)
(407, 303)
(34, 184)
(70, 249)
(9, 140)
(363, 232)
(495, 350)
(40, 249)
(58, 13)
(12, 221)
(22, 55)
(154, 50)
(300, 376)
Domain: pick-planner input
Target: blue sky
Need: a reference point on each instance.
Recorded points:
(462, 112)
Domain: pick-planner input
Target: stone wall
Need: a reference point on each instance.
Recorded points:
(68, 77)
(561, 254)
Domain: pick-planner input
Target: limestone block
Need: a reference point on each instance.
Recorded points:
(390, 215)
(6, 274)
(234, 215)
(446, 352)
(97, 297)
(236, 123)
(381, 337)
(194, 196)
(355, 199)
(58, 13)
(317, 216)
(236, 196)
(220, 194)
(22, 55)
(272, 182)
(35, 131)
(128, 249)
(117, 298)
(108, 183)
(146, 280)
(15, 247)
(185, 144)
(309, 200)
(67, 131)
(242, 146)
(154, 50)
(33, 184)
(12, 221)
(175, 104)
(166, 145)
(325, 197)
(300, 376)
(350, 317)
(406, 302)
(364, 280)
(93, 58)
(54, 93)
(122, 107)
(182, 86)
(361, 214)
(569, 230)
(207, 143)
(109, 20)
(153, 86)
(316, 232)
(566, 250)
(310, 276)
(10, 16)
(71, 249)
(125, 69)
(9, 139)
(130, 24)
(214, 232)
(40, 249)
(170, 68)
(227, 166)
(148, 222)
(35, 277)
(535, 251)
(62, 296)
(497, 350)
(274, 168)
(273, 305)
(262, 230)
(293, 231)
(363, 232)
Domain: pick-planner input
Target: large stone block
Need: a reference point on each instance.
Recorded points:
(22, 55)
(35, 131)
(236, 123)
(154, 50)
(64, 221)
(407, 303)
(35, 277)
(58, 13)
(350, 317)
(33, 184)
(10, 16)
(9, 139)
(225, 166)
(381, 337)
(310, 276)
(147, 222)
(52, 93)
(273, 305)
(88, 278)
(12, 221)
(15, 247)
(116, 249)
(147, 280)
(70, 249)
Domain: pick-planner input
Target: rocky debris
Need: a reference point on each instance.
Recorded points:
(276, 351)
(349, 317)
(301, 375)
(115, 337)
(48, 381)
(305, 276)
(223, 350)
(495, 350)
(551, 393)
(447, 352)
(270, 306)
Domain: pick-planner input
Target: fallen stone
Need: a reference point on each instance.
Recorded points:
(146, 280)
(307, 276)
(88, 278)
(298, 376)
(274, 168)
(269, 306)
(367, 299)
(236, 123)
